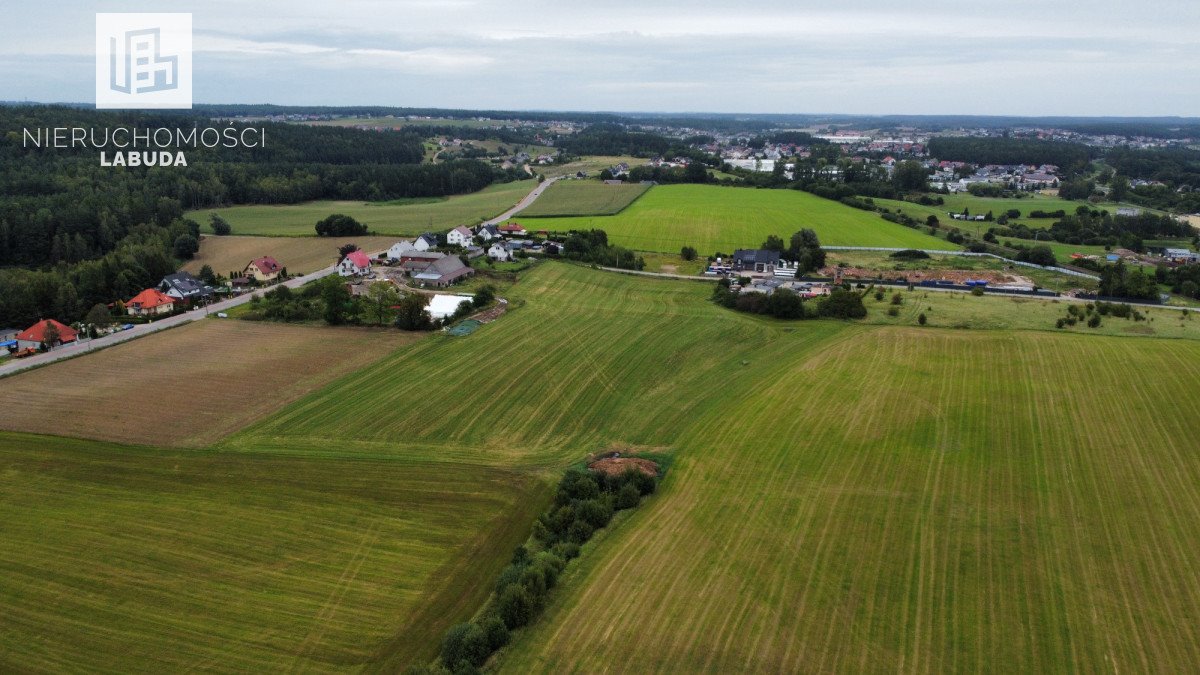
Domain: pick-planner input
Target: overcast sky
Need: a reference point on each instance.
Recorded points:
(1098, 57)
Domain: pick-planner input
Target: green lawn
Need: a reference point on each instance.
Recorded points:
(720, 219)
(404, 217)
(584, 198)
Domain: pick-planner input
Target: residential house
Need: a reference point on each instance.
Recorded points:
(500, 251)
(185, 287)
(488, 232)
(399, 248)
(512, 228)
(263, 270)
(755, 260)
(150, 302)
(443, 272)
(355, 264)
(36, 335)
(425, 242)
(459, 236)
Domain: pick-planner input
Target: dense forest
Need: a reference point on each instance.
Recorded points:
(1068, 157)
(60, 208)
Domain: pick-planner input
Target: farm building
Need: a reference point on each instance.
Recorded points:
(263, 269)
(444, 305)
(755, 260)
(184, 286)
(398, 249)
(425, 242)
(150, 302)
(48, 332)
(459, 236)
(1181, 255)
(443, 272)
(415, 261)
(355, 264)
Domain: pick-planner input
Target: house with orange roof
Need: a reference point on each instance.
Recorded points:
(263, 269)
(150, 302)
(46, 332)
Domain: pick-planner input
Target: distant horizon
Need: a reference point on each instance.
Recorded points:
(1019, 59)
(685, 114)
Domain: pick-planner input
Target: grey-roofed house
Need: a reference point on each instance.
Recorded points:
(755, 260)
(425, 241)
(184, 286)
(443, 272)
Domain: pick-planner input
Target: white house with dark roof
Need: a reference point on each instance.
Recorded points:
(184, 286)
(425, 242)
(499, 251)
(488, 232)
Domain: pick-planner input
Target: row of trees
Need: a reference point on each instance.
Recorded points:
(584, 503)
(592, 246)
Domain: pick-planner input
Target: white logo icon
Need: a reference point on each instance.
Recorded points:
(143, 61)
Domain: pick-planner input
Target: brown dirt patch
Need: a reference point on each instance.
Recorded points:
(300, 255)
(917, 276)
(615, 466)
(188, 386)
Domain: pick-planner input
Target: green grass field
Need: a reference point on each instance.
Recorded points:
(404, 217)
(584, 198)
(120, 559)
(858, 497)
(914, 501)
(720, 219)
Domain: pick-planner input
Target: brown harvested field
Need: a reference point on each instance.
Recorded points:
(300, 255)
(187, 386)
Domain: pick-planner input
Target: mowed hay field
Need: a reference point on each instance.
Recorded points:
(123, 559)
(300, 255)
(584, 198)
(915, 501)
(720, 219)
(186, 386)
(583, 360)
(403, 217)
(843, 497)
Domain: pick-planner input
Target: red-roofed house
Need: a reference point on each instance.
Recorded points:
(36, 335)
(355, 264)
(263, 269)
(150, 302)
(512, 228)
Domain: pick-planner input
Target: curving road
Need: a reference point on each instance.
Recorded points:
(524, 203)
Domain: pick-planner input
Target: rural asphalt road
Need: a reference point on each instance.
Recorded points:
(524, 203)
(85, 346)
